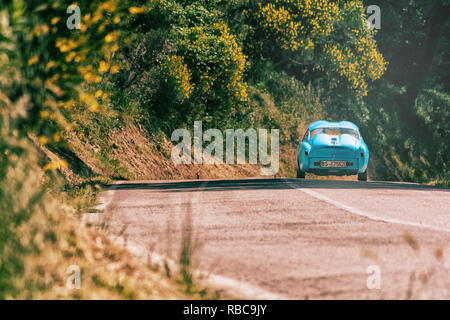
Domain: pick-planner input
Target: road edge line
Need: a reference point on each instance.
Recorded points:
(360, 212)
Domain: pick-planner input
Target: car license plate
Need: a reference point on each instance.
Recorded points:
(333, 164)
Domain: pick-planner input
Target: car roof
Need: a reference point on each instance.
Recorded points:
(328, 124)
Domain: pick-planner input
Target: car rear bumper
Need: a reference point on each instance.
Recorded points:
(352, 166)
(333, 171)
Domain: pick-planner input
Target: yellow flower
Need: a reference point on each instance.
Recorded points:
(33, 60)
(136, 10)
(55, 165)
(114, 48)
(68, 104)
(43, 140)
(50, 64)
(88, 76)
(103, 67)
(45, 29)
(45, 114)
(115, 69)
(111, 37)
(84, 97)
(98, 93)
(64, 48)
(56, 137)
(109, 6)
(97, 17)
(54, 20)
(116, 19)
(70, 56)
(93, 106)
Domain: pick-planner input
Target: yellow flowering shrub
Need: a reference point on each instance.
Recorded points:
(206, 47)
(334, 35)
(176, 72)
(63, 67)
(215, 58)
(294, 22)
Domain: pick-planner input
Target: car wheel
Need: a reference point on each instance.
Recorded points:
(362, 176)
(300, 173)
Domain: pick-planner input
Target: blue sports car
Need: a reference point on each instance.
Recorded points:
(333, 148)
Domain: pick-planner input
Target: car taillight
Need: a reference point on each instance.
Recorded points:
(306, 153)
(362, 154)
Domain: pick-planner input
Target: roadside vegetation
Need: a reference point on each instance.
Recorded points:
(83, 107)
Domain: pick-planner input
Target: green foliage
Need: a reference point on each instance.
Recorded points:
(27, 216)
(278, 100)
(186, 65)
(408, 108)
(317, 39)
(43, 65)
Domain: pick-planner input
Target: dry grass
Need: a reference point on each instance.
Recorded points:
(107, 270)
(422, 281)
(142, 157)
(60, 240)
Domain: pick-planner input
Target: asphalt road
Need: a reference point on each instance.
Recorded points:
(297, 239)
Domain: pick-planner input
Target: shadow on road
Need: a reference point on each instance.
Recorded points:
(267, 184)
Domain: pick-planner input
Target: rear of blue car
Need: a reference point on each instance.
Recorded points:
(333, 148)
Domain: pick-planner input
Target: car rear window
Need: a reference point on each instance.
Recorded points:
(335, 132)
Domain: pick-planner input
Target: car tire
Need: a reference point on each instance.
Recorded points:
(300, 173)
(362, 176)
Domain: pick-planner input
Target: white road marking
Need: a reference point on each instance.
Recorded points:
(356, 211)
(107, 196)
(235, 288)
